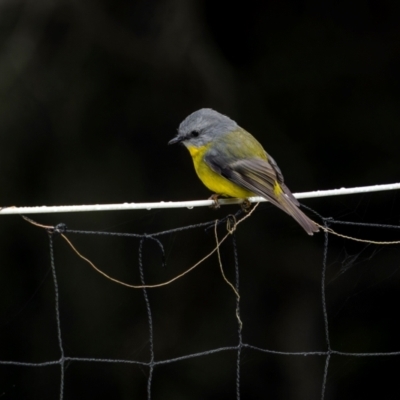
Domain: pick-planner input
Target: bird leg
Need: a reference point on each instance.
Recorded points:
(214, 198)
(246, 205)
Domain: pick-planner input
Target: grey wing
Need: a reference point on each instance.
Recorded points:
(260, 177)
(254, 174)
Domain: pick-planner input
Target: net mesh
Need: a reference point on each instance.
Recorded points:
(234, 361)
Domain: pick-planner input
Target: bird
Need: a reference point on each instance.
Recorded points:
(232, 163)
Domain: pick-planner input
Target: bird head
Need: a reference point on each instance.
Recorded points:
(202, 127)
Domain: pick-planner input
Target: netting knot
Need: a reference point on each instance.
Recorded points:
(59, 228)
(231, 223)
(327, 221)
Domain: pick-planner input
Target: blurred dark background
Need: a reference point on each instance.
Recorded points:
(90, 94)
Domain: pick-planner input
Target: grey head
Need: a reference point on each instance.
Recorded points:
(203, 126)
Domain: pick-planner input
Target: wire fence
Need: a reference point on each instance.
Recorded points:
(224, 229)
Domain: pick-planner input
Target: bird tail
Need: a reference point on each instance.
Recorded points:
(290, 205)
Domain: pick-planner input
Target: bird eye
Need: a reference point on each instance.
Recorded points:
(194, 134)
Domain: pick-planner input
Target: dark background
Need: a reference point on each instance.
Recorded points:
(90, 94)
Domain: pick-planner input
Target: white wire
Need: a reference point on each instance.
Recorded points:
(187, 204)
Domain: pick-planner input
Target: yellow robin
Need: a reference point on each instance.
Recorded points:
(232, 163)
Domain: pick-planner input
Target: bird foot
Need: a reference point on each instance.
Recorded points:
(215, 204)
(246, 205)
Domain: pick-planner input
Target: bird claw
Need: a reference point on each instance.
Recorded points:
(215, 204)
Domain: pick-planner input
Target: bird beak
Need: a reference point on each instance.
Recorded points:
(176, 139)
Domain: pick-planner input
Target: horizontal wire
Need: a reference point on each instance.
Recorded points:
(199, 354)
(188, 204)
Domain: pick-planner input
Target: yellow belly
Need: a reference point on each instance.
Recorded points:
(215, 182)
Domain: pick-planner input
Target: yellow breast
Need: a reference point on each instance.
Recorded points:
(215, 182)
